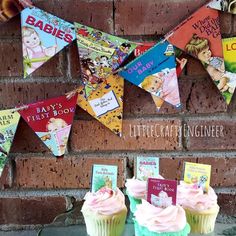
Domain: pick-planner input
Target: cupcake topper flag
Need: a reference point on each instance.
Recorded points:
(200, 36)
(11, 8)
(197, 174)
(155, 72)
(161, 192)
(224, 5)
(9, 120)
(51, 120)
(101, 93)
(43, 36)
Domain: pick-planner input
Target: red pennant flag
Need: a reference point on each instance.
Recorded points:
(51, 120)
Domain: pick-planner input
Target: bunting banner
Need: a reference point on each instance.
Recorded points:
(155, 72)
(200, 36)
(106, 103)
(9, 120)
(11, 8)
(51, 120)
(224, 5)
(100, 54)
(181, 62)
(43, 36)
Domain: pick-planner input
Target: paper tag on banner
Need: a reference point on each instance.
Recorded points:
(51, 120)
(43, 36)
(11, 8)
(9, 120)
(106, 103)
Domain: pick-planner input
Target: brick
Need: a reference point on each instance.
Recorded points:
(19, 93)
(154, 17)
(195, 68)
(31, 210)
(83, 11)
(70, 172)
(201, 96)
(222, 168)
(74, 63)
(5, 179)
(11, 59)
(99, 138)
(226, 23)
(227, 204)
(11, 28)
(224, 140)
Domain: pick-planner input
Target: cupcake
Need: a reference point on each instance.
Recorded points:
(155, 221)
(201, 208)
(105, 212)
(136, 191)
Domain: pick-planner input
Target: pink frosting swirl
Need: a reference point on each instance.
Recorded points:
(170, 219)
(137, 188)
(194, 198)
(105, 202)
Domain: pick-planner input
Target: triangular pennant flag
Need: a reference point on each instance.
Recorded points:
(9, 120)
(43, 36)
(181, 61)
(51, 120)
(11, 8)
(224, 5)
(106, 103)
(155, 72)
(200, 36)
(100, 55)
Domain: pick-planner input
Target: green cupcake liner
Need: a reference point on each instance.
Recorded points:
(133, 202)
(143, 231)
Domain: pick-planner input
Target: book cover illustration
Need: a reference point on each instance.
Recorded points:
(106, 103)
(9, 120)
(161, 192)
(155, 72)
(181, 62)
(147, 167)
(104, 176)
(43, 36)
(197, 174)
(51, 120)
(200, 37)
(100, 54)
(224, 5)
(11, 8)
(229, 84)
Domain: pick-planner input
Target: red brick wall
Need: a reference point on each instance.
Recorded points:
(35, 185)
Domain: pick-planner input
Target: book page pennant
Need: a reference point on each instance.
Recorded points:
(11, 8)
(200, 36)
(51, 120)
(105, 103)
(155, 72)
(224, 5)
(9, 120)
(100, 55)
(43, 36)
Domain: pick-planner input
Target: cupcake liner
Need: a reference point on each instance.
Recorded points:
(202, 222)
(100, 225)
(133, 202)
(143, 231)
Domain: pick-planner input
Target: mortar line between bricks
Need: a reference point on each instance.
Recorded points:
(125, 153)
(25, 193)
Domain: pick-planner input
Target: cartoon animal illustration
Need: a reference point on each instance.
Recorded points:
(104, 61)
(2, 138)
(34, 53)
(145, 172)
(46, 137)
(55, 124)
(202, 182)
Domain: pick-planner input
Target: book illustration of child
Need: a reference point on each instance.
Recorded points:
(55, 124)
(34, 53)
(162, 200)
(153, 84)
